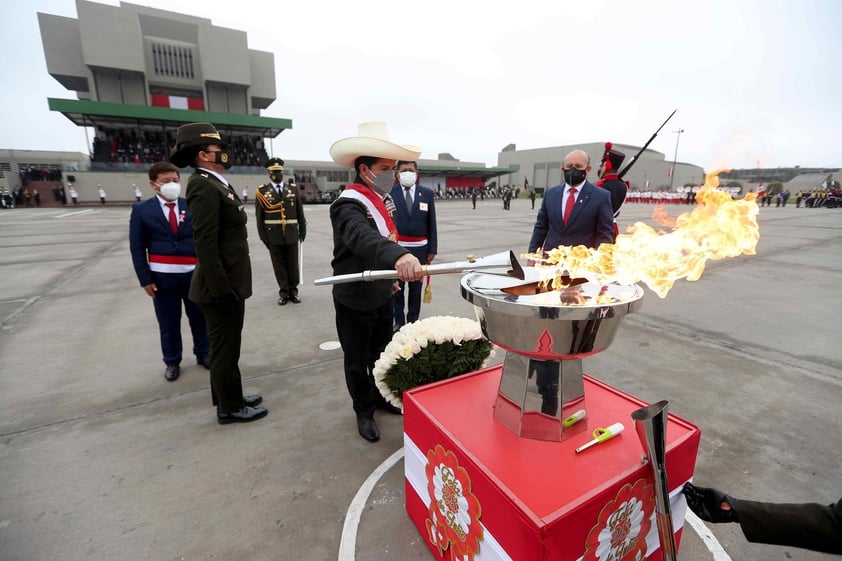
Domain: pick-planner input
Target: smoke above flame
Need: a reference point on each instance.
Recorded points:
(717, 228)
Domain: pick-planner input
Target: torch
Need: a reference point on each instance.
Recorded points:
(503, 259)
(651, 425)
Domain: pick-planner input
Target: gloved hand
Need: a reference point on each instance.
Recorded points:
(228, 302)
(707, 504)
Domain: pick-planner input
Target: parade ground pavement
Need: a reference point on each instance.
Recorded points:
(102, 459)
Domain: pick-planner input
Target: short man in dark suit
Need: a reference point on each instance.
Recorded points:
(222, 279)
(575, 212)
(161, 244)
(281, 226)
(415, 218)
(808, 525)
(364, 238)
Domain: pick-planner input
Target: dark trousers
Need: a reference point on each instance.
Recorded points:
(225, 330)
(363, 336)
(414, 292)
(285, 265)
(167, 304)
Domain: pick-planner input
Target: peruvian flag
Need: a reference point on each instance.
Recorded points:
(178, 102)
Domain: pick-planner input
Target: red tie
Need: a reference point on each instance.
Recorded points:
(571, 200)
(174, 220)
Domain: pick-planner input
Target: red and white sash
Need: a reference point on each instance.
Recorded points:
(375, 206)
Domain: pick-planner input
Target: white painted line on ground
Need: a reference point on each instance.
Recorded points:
(74, 212)
(348, 541)
(710, 541)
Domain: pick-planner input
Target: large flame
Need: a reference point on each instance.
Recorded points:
(717, 228)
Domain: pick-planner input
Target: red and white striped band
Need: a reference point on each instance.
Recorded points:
(411, 241)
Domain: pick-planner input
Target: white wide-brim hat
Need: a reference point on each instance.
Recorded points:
(372, 140)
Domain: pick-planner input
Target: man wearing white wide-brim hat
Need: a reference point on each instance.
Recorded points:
(364, 238)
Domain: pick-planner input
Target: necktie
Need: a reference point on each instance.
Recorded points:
(173, 219)
(571, 200)
(408, 199)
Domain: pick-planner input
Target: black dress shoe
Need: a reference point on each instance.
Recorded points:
(294, 299)
(253, 400)
(172, 372)
(389, 408)
(368, 428)
(244, 415)
(203, 362)
(282, 301)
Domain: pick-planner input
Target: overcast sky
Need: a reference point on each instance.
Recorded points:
(755, 82)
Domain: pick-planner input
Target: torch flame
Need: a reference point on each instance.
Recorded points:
(717, 228)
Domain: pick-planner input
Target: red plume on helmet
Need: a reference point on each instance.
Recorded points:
(612, 158)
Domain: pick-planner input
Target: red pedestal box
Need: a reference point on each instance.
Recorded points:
(476, 491)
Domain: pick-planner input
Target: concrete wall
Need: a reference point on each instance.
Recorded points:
(62, 43)
(110, 37)
(120, 190)
(225, 57)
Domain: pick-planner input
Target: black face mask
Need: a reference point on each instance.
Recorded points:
(276, 177)
(574, 176)
(223, 158)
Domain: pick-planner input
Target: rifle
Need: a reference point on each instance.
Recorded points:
(645, 146)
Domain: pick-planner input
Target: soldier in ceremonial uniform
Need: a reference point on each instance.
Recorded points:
(222, 279)
(364, 238)
(281, 226)
(611, 182)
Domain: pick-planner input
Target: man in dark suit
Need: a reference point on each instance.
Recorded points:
(364, 237)
(415, 218)
(161, 244)
(222, 279)
(574, 213)
(808, 526)
(281, 226)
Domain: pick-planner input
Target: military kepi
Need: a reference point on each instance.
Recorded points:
(612, 158)
(275, 164)
(190, 136)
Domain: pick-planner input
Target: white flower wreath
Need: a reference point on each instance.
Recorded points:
(417, 336)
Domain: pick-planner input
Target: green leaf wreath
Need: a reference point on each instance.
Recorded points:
(429, 350)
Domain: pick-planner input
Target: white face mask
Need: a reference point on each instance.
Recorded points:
(170, 191)
(408, 178)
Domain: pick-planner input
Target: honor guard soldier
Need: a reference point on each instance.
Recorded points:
(281, 226)
(611, 182)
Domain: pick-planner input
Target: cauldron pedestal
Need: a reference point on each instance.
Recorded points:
(475, 486)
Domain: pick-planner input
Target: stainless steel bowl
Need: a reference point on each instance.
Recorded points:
(544, 326)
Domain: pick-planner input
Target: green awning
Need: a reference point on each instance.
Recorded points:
(86, 113)
(465, 171)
